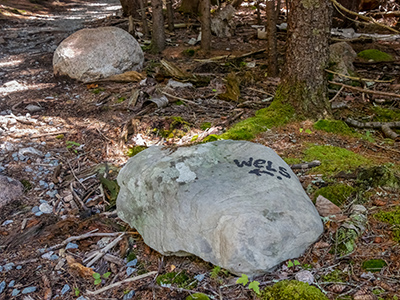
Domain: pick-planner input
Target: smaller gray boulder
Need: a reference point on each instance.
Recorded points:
(11, 190)
(341, 59)
(92, 54)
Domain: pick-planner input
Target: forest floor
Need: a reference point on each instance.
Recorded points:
(57, 134)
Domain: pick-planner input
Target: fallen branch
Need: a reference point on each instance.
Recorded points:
(359, 78)
(119, 283)
(82, 237)
(314, 163)
(388, 132)
(371, 124)
(365, 18)
(361, 90)
(99, 254)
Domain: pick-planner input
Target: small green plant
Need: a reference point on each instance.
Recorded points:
(72, 146)
(121, 99)
(217, 271)
(205, 125)
(97, 277)
(76, 291)
(97, 91)
(135, 150)
(291, 264)
(253, 285)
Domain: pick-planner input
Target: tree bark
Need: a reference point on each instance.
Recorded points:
(144, 18)
(130, 8)
(158, 34)
(273, 69)
(205, 19)
(304, 83)
(170, 15)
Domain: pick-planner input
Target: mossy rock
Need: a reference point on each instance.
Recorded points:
(375, 55)
(198, 296)
(277, 114)
(382, 176)
(334, 126)
(374, 265)
(337, 193)
(392, 218)
(334, 159)
(292, 290)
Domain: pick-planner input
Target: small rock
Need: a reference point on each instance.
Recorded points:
(192, 41)
(46, 208)
(8, 267)
(71, 246)
(305, 276)
(15, 292)
(2, 286)
(132, 263)
(11, 284)
(130, 270)
(199, 277)
(29, 289)
(129, 295)
(1, 268)
(81, 298)
(65, 289)
(29, 150)
(33, 108)
(35, 209)
(325, 207)
(5, 223)
(176, 84)
(11, 190)
(18, 267)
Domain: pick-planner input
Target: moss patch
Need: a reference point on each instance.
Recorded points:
(334, 159)
(386, 114)
(392, 218)
(198, 296)
(292, 290)
(335, 276)
(334, 126)
(135, 150)
(180, 279)
(277, 114)
(205, 125)
(337, 193)
(374, 265)
(375, 55)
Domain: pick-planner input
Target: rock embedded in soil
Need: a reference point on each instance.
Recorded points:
(235, 204)
(92, 54)
(11, 190)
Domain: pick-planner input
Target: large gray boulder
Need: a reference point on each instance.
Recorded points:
(92, 54)
(235, 204)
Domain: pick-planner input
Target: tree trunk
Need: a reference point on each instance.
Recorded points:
(158, 34)
(304, 83)
(170, 15)
(190, 7)
(144, 17)
(273, 69)
(130, 8)
(205, 19)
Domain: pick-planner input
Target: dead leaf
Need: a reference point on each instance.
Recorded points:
(79, 269)
(172, 267)
(92, 86)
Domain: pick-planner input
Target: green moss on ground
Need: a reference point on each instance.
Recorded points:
(197, 296)
(386, 114)
(180, 279)
(135, 150)
(337, 193)
(334, 126)
(335, 276)
(375, 55)
(334, 159)
(205, 125)
(292, 290)
(277, 114)
(374, 265)
(392, 218)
